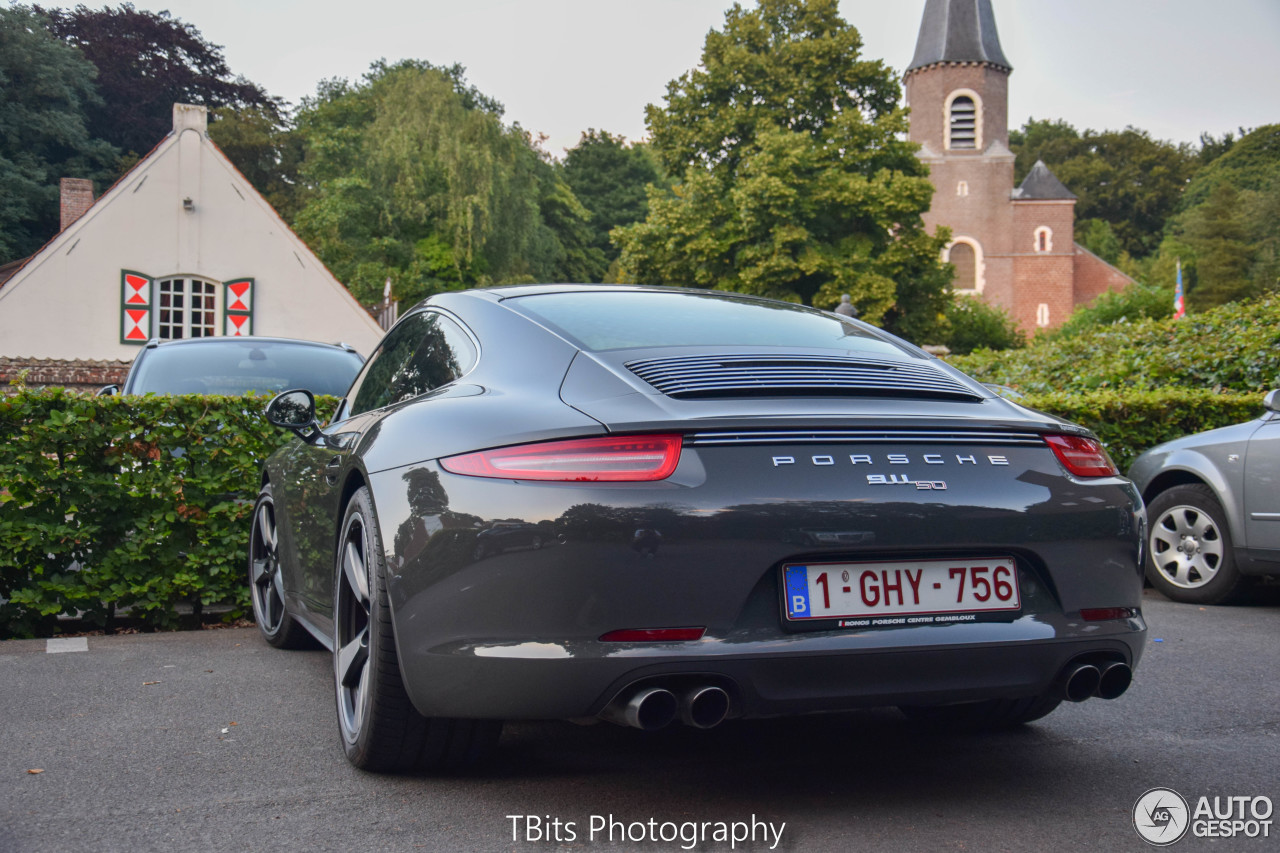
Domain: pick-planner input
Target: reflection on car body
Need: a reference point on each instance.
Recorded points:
(620, 422)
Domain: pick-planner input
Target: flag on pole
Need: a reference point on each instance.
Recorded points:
(1179, 306)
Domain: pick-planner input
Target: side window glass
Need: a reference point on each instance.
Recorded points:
(424, 352)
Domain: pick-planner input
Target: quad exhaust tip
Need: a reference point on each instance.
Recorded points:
(1081, 682)
(704, 707)
(1115, 680)
(649, 709)
(1105, 681)
(653, 708)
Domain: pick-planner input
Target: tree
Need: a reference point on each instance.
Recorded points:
(1217, 235)
(1125, 178)
(1250, 163)
(795, 177)
(147, 62)
(265, 150)
(411, 175)
(45, 90)
(609, 177)
(1098, 237)
(1227, 235)
(973, 324)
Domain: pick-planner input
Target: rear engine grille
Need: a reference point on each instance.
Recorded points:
(701, 377)
(865, 436)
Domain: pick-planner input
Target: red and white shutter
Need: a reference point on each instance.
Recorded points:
(136, 307)
(238, 296)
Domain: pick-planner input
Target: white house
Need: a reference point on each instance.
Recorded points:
(181, 246)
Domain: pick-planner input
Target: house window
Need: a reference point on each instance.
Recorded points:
(962, 188)
(962, 123)
(186, 308)
(1044, 239)
(1042, 315)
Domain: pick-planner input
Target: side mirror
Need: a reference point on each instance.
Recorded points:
(108, 391)
(295, 411)
(1272, 401)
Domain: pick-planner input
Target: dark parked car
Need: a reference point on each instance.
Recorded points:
(755, 508)
(1213, 500)
(232, 366)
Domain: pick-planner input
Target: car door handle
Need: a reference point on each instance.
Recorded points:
(331, 470)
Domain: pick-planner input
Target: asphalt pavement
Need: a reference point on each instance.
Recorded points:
(211, 740)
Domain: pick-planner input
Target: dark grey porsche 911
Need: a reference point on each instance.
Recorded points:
(652, 505)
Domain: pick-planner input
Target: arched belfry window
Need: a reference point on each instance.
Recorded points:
(964, 120)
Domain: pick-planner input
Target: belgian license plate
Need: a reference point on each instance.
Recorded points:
(900, 588)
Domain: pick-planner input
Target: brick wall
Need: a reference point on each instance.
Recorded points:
(76, 198)
(1043, 278)
(982, 212)
(1094, 276)
(927, 91)
(86, 376)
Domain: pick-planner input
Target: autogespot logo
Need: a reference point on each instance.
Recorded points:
(1161, 816)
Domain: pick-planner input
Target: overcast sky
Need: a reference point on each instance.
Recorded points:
(1175, 68)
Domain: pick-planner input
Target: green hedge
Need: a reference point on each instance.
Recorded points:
(151, 496)
(113, 502)
(1128, 422)
(1235, 347)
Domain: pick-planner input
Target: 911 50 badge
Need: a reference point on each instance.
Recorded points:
(903, 480)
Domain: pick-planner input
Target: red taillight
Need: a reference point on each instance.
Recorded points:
(1106, 614)
(652, 635)
(1084, 457)
(634, 458)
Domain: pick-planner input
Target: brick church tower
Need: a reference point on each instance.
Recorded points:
(1014, 248)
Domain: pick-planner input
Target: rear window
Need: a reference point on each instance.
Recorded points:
(238, 367)
(607, 320)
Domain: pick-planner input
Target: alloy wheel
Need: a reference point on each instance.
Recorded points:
(264, 559)
(1186, 546)
(351, 618)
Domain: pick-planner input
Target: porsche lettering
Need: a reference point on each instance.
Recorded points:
(825, 460)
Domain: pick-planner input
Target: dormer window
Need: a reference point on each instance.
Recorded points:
(963, 123)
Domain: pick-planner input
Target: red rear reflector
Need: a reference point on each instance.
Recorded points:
(1103, 614)
(634, 458)
(650, 635)
(1084, 457)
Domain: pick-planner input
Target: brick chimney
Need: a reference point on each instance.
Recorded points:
(77, 197)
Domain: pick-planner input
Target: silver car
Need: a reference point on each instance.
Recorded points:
(1213, 501)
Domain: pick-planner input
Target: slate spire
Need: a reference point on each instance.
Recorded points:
(1041, 184)
(958, 31)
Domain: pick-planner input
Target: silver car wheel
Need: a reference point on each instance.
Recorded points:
(1186, 546)
(264, 569)
(351, 621)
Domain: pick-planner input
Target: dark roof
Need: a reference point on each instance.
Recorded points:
(8, 270)
(1040, 183)
(958, 31)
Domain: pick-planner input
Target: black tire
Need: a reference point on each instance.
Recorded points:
(983, 716)
(266, 580)
(378, 725)
(1189, 549)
